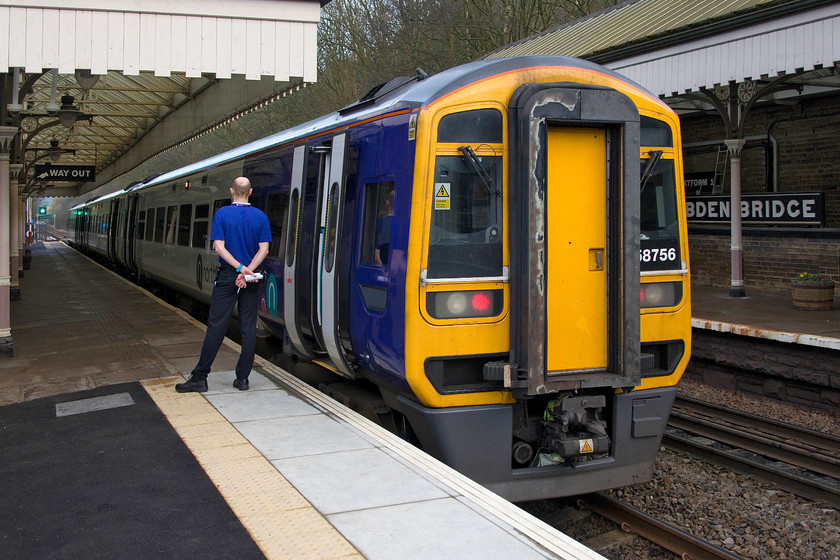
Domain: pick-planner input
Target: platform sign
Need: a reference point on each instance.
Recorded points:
(69, 173)
(769, 208)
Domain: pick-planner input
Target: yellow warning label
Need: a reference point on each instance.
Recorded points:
(586, 446)
(442, 196)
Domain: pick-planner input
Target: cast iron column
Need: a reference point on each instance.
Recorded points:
(736, 288)
(7, 134)
(14, 230)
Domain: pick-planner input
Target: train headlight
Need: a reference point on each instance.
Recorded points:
(464, 304)
(661, 294)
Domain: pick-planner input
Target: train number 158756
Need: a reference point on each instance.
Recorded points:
(663, 254)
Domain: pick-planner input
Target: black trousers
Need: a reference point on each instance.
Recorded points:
(225, 297)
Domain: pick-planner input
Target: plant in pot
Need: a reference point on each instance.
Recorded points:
(812, 291)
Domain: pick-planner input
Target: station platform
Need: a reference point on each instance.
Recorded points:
(763, 315)
(103, 459)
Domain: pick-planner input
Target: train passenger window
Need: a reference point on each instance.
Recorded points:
(141, 224)
(184, 217)
(376, 222)
(254, 200)
(277, 209)
(219, 203)
(472, 127)
(202, 211)
(199, 232)
(160, 224)
(466, 228)
(172, 224)
(656, 133)
(150, 225)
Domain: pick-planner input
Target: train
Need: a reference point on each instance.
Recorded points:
(498, 251)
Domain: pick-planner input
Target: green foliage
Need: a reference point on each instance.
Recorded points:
(811, 277)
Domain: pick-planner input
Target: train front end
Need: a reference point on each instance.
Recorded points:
(547, 199)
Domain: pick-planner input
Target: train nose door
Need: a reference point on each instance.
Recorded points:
(329, 281)
(576, 287)
(574, 238)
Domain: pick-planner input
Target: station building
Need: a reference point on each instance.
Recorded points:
(103, 85)
(757, 86)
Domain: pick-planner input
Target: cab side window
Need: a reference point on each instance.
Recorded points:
(377, 222)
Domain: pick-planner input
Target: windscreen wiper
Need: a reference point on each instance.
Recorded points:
(471, 157)
(651, 165)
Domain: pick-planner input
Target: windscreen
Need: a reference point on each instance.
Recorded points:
(466, 233)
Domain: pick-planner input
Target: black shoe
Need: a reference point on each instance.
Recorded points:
(241, 384)
(195, 384)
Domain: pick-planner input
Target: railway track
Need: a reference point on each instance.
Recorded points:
(632, 520)
(801, 461)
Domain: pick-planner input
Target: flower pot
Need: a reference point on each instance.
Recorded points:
(812, 295)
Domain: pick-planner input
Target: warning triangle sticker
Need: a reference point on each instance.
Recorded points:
(586, 447)
(442, 191)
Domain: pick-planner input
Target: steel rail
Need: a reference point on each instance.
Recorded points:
(784, 479)
(632, 520)
(762, 436)
(820, 440)
(756, 443)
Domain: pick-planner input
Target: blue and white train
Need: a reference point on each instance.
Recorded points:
(499, 249)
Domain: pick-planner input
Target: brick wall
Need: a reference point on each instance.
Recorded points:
(806, 135)
(771, 259)
(808, 149)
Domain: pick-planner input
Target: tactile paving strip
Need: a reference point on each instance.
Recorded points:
(281, 521)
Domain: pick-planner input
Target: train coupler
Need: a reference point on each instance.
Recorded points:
(572, 426)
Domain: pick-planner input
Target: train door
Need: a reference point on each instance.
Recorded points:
(576, 202)
(328, 284)
(131, 234)
(574, 238)
(293, 248)
(113, 230)
(83, 227)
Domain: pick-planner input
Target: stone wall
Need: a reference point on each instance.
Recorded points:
(772, 257)
(796, 373)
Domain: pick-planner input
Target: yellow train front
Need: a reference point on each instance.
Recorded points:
(547, 198)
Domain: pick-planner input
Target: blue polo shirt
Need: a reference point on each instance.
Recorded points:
(242, 227)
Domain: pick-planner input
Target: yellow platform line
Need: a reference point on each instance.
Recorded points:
(280, 520)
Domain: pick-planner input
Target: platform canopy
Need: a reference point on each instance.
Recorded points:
(679, 47)
(131, 78)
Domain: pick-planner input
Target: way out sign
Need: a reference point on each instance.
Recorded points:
(72, 173)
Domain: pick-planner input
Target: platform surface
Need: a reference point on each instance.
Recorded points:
(97, 443)
(764, 315)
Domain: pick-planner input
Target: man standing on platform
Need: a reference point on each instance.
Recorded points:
(240, 235)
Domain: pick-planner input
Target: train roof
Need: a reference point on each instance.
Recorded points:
(404, 93)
